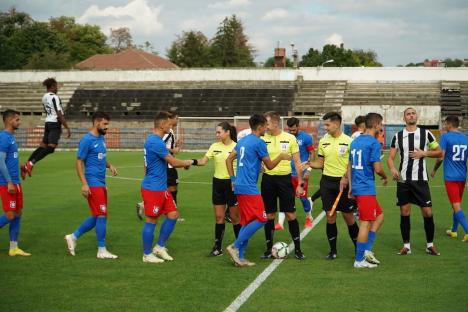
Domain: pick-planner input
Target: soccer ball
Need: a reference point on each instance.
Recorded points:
(280, 250)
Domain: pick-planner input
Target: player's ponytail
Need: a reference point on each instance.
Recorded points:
(226, 126)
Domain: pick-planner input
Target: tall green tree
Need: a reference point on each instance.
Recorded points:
(230, 46)
(191, 49)
(341, 57)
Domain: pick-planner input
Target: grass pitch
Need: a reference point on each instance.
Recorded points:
(51, 280)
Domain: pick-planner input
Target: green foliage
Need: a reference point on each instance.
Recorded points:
(48, 59)
(191, 49)
(230, 47)
(341, 57)
(453, 62)
(270, 62)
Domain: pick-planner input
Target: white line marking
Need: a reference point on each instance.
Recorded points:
(244, 296)
(209, 183)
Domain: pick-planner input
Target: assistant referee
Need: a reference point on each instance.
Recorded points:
(333, 152)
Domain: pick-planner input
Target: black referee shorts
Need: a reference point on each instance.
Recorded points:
(329, 189)
(222, 193)
(52, 132)
(414, 192)
(172, 177)
(276, 187)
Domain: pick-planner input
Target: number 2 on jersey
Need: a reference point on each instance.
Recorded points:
(459, 152)
(357, 154)
(242, 154)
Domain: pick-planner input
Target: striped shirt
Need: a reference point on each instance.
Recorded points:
(169, 140)
(52, 104)
(405, 141)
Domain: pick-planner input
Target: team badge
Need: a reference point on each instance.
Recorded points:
(102, 208)
(155, 209)
(12, 205)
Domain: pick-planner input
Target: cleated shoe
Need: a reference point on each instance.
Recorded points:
(451, 234)
(71, 244)
(369, 257)
(278, 227)
(364, 264)
(244, 263)
(234, 254)
(18, 252)
(28, 167)
(105, 254)
(140, 211)
(215, 252)
(432, 251)
(151, 258)
(299, 255)
(331, 256)
(266, 255)
(404, 251)
(308, 222)
(465, 238)
(161, 252)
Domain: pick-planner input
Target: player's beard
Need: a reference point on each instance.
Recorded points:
(102, 131)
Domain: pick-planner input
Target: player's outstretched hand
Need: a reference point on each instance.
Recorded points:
(416, 154)
(68, 133)
(113, 170)
(395, 174)
(85, 190)
(299, 191)
(304, 165)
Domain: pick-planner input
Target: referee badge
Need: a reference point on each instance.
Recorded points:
(284, 147)
(342, 150)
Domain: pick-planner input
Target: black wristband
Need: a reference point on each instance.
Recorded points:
(195, 162)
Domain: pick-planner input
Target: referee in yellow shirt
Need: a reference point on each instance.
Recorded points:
(222, 193)
(333, 152)
(277, 184)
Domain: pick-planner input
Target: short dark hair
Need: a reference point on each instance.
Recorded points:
(332, 116)
(160, 116)
(49, 83)
(359, 120)
(226, 126)
(372, 119)
(256, 120)
(452, 120)
(293, 121)
(9, 113)
(273, 115)
(99, 116)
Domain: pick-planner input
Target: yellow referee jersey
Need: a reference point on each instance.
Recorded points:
(281, 143)
(335, 152)
(220, 152)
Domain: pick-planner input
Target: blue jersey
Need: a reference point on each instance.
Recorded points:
(250, 151)
(306, 145)
(92, 151)
(8, 146)
(156, 166)
(364, 152)
(455, 145)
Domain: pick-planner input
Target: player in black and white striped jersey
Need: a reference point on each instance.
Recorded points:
(52, 129)
(413, 144)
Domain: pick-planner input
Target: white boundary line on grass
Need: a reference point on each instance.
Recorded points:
(209, 183)
(244, 296)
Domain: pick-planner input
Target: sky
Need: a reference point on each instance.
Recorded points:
(399, 32)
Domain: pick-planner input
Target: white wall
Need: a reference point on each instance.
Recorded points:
(327, 73)
(392, 114)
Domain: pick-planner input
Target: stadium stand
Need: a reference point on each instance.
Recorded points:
(315, 98)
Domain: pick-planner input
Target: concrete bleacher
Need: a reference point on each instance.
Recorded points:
(204, 98)
(315, 98)
(27, 97)
(392, 93)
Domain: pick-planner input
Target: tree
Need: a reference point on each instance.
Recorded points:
(82, 41)
(453, 63)
(230, 47)
(191, 49)
(48, 59)
(341, 57)
(148, 47)
(121, 39)
(270, 62)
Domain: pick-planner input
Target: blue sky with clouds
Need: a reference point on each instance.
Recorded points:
(399, 31)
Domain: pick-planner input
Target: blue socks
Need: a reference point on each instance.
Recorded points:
(166, 229)
(306, 204)
(3, 221)
(455, 223)
(370, 240)
(360, 249)
(246, 232)
(14, 229)
(148, 236)
(87, 225)
(101, 231)
(460, 215)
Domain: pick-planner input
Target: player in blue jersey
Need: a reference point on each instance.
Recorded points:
(157, 200)
(91, 164)
(250, 152)
(364, 160)
(454, 145)
(10, 187)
